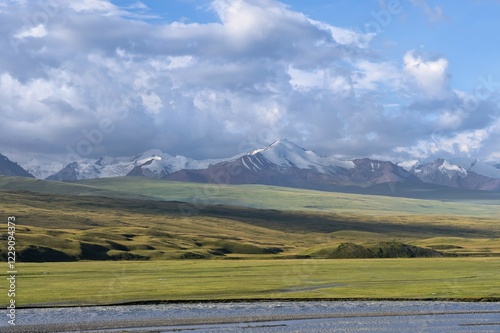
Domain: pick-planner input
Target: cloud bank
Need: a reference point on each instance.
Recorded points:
(89, 78)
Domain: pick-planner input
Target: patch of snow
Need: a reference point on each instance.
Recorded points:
(449, 168)
(251, 160)
(408, 165)
(155, 166)
(246, 166)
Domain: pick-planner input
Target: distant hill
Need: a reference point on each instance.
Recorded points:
(9, 168)
(375, 250)
(69, 227)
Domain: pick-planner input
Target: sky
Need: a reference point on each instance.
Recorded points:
(387, 79)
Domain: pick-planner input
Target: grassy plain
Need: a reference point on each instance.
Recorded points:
(284, 198)
(451, 202)
(99, 282)
(254, 230)
(91, 227)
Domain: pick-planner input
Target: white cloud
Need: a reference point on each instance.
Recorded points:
(451, 119)
(152, 102)
(466, 143)
(34, 32)
(102, 6)
(371, 76)
(429, 75)
(325, 78)
(179, 62)
(345, 36)
(258, 72)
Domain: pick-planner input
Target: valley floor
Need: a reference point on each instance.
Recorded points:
(135, 282)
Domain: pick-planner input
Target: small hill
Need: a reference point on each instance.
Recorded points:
(375, 250)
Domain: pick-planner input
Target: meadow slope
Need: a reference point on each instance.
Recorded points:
(130, 219)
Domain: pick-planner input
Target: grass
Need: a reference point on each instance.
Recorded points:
(90, 227)
(97, 282)
(128, 218)
(476, 204)
(95, 227)
(283, 198)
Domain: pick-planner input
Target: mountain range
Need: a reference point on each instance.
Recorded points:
(282, 163)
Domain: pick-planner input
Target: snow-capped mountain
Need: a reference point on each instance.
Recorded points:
(476, 166)
(287, 154)
(368, 172)
(41, 169)
(152, 164)
(460, 173)
(284, 163)
(91, 168)
(156, 164)
(9, 168)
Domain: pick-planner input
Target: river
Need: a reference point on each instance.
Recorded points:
(265, 317)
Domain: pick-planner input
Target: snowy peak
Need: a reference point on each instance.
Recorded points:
(151, 167)
(442, 166)
(286, 154)
(477, 166)
(409, 165)
(152, 163)
(450, 169)
(281, 163)
(459, 173)
(152, 154)
(41, 169)
(76, 171)
(461, 165)
(281, 146)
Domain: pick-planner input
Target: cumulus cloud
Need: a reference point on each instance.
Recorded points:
(35, 32)
(261, 71)
(430, 76)
(462, 144)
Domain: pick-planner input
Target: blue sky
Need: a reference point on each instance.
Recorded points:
(389, 79)
(442, 30)
(462, 31)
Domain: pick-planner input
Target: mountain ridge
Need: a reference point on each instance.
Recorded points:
(9, 168)
(283, 163)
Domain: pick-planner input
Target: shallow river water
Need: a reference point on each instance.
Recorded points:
(257, 317)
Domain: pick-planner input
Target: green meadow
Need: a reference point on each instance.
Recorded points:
(132, 239)
(100, 282)
(285, 198)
